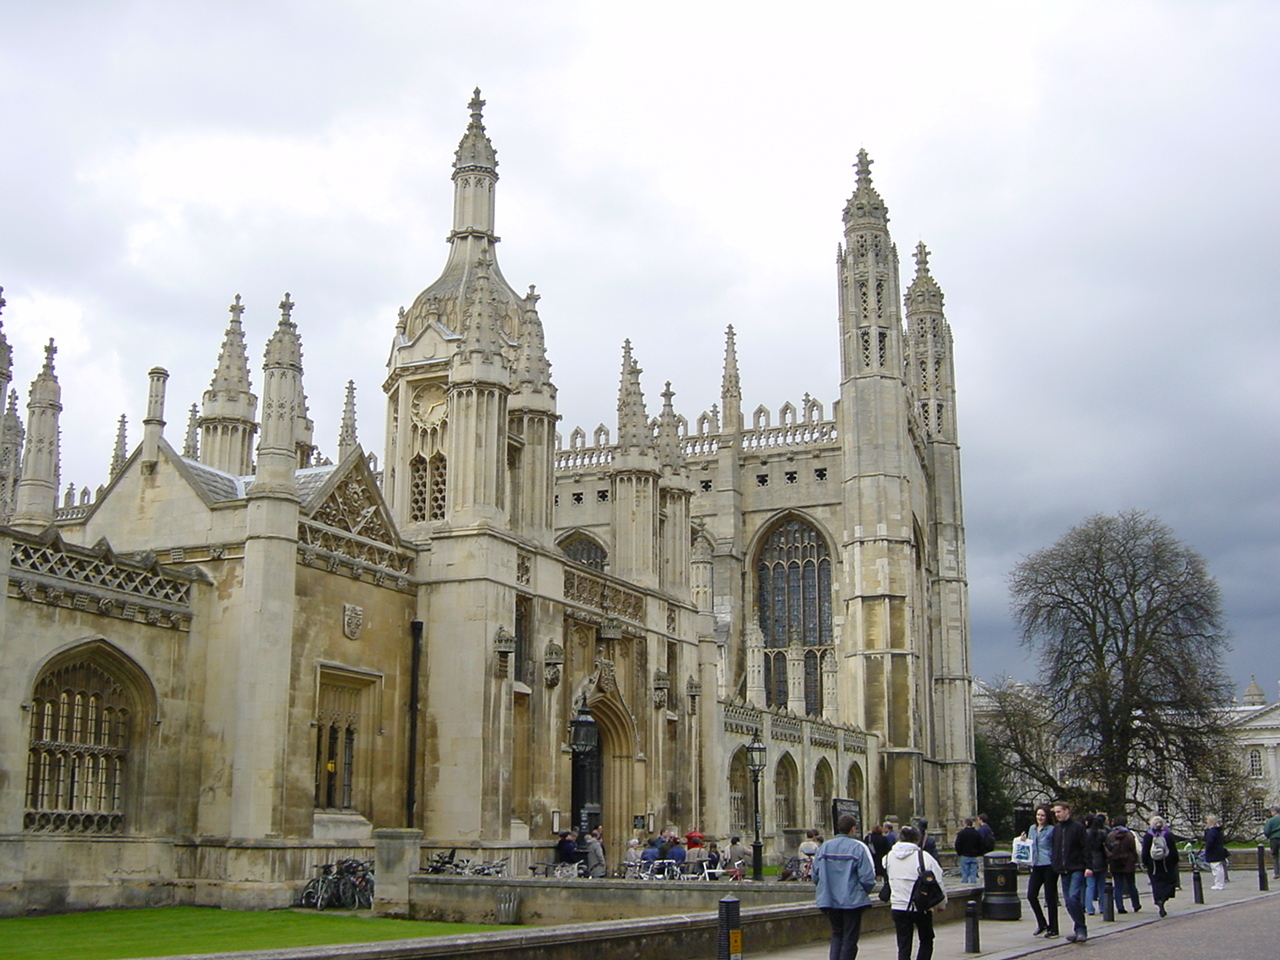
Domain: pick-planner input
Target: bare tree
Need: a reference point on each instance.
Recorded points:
(1127, 623)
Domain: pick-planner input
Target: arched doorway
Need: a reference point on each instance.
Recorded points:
(618, 799)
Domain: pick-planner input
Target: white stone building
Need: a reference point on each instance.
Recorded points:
(232, 662)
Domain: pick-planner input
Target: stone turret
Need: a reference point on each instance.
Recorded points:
(37, 492)
(532, 416)
(931, 366)
(228, 422)
(281, 408)
(10, 428)
(191, 443)
(635, 479)
(153, 422)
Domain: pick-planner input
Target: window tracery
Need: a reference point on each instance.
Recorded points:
(78, 757)
(583, 549)
(793, 603)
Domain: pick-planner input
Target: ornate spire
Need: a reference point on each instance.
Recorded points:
(284, 349)
(11, 437)
(231, 376)
(121, 451)
(633, 421)
(191, 445)
(865, 209)
(347, 440)
(670, 449)
(6, 354)
(482, 333)
(474, 150)
(731, 385)
(924, 295)
(533, 370)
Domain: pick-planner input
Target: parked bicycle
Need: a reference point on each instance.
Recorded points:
(347, 885)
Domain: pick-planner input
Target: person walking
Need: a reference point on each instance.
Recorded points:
(903, 865)
(1160, 857)
(879, 847)
(1071, 865)
(1096, 857)
(1215, 851)
(844, 875)
(969, 847)
(988, 835)
(595, 854)
(1042, 876)
(1272, 831)
(1122, 858)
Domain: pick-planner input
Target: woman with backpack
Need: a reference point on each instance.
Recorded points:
(1122, 858)
(1160, 857)
(1095, 850)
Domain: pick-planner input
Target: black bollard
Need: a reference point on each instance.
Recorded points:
(972, 942)
(1197, 885)
(1262, 868)
(729, 933)
(1109, 901)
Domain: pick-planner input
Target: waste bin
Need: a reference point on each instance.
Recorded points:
(1000, 887)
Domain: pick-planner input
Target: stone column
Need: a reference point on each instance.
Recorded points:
(396, 857)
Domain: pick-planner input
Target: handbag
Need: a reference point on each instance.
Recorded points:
(885, 892)
(927, 892)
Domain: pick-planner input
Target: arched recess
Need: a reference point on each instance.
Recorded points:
(622, 791)
(793, 574)
(91, 710)
(580, 547)
(739, 794)
(786, 782)
(823, 791)
(856, 786)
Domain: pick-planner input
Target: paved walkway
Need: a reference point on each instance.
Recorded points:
(1007, 939)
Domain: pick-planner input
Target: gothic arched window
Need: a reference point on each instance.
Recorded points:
(583, 549)
(82, 724)
(793, 602)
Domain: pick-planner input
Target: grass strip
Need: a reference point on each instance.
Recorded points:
(166, 931)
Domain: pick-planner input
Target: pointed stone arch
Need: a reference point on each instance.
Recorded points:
(855, 785)
(760, 418)
(787, 415)
(786, 786)
(582, 547)
(739, 793)
(620, 785)
(92, 710)
(823, 792)
(600, 437)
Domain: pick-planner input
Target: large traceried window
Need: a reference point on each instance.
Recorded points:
(793, 600)
(581, 548)
(82, 727)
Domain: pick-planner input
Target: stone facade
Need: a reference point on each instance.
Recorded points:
(222, 668)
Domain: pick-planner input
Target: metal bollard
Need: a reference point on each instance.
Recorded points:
(729, 933)
(1109, 901)
(1197, 885)
(972, 942)
(1262, 868)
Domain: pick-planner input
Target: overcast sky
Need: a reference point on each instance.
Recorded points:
(1096, 181)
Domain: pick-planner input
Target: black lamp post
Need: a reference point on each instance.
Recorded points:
(584, 741)
(756, 763)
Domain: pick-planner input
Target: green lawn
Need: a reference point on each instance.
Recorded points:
(121, 934)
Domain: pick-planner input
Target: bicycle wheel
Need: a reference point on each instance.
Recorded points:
(309, 892)
(324, 893)
(364, 894)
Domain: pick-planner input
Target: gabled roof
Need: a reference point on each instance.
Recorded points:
(346, 497)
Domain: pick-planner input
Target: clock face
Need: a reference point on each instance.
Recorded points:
(428, 405)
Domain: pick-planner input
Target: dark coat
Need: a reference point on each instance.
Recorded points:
(1122, 851)
(1163, 873)
(1069, 855)
(969, 843)
(1215, 845)
(1095, 845)
(879, 846)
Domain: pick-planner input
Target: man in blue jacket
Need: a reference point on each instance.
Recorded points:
(844, 874)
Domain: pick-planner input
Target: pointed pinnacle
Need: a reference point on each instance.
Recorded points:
(235, 310)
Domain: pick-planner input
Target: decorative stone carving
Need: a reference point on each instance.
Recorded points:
(352, 621)
(661, 684)
(552, 659)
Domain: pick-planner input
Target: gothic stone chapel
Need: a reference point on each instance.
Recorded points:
(235, 660)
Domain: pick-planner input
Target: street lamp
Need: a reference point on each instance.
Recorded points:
(756, 763)
(584, 740)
